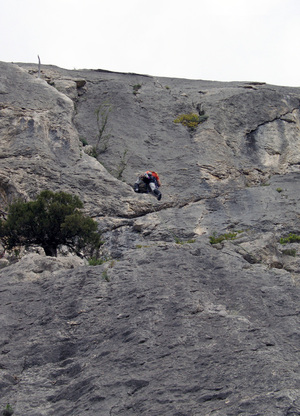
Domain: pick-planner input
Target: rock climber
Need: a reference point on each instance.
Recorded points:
(148, 182)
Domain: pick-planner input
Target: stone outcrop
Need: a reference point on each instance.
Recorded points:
(169, 324)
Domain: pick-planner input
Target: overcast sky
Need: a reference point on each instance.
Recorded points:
(223, 40)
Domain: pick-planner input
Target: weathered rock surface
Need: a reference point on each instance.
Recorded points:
(169, 324)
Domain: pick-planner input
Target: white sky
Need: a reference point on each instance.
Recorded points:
(223, 40)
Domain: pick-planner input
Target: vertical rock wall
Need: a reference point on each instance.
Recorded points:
(195, 310)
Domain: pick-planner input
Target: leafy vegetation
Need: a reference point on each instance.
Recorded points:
(136, 88)
(53, 219)
(97, 261)
(181, 242)
(83, 141)
(214, 239)
(8, 410)
(289, 252)
(94, 261)
(141, 246)
(291, 238)
(105, 275)
(191, 120)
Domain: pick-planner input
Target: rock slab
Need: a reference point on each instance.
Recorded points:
(169, 324)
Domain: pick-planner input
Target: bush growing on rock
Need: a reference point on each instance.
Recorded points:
(8, 411)
(136, 88)
(190, 120)
(214, 239)
(290, 252)
(291, 238)
(53, 219)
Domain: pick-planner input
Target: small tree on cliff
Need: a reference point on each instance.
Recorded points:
(53, 219)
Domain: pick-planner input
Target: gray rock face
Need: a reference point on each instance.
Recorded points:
(170, 324)
(40, 147)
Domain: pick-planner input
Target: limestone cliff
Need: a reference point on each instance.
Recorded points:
(170, 324)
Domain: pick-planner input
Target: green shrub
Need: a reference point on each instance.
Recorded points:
(178, 241)
(279, 190)
(291, 238)
(105, 276)
(8, 411)
(289, 252)
(53, 219)
(83, 141)
(191, 120)
(214, 239)
(94, 152)
(94, 261)
(136, 88)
